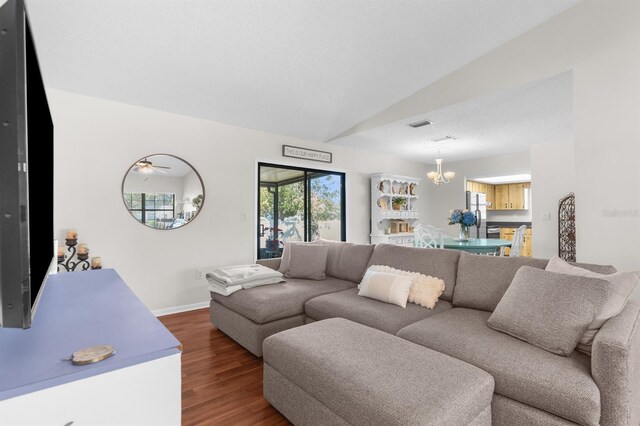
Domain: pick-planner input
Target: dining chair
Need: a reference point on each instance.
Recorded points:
(518, 241)
(427, 236)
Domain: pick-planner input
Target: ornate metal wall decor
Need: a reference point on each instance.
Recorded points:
(567, 228)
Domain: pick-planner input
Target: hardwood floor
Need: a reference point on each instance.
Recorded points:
(221, 381)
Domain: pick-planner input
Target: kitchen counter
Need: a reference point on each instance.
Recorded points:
(508, 224)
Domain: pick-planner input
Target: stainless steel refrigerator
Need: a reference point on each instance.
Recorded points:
(477, 203)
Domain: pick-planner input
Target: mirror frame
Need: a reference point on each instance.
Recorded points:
(204, 195)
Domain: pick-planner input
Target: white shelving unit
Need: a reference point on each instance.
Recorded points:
(385, 189)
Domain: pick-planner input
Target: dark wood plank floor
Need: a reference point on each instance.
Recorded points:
(221, 381)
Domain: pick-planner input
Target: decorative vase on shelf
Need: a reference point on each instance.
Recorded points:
(464, 232)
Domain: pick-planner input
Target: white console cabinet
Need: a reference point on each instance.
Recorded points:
(139, 385)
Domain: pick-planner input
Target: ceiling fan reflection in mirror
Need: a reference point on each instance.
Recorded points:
(146, 166)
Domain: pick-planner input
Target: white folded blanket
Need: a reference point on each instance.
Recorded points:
(216, 287)
(242, 274)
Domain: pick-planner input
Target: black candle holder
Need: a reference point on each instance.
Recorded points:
(74, 260)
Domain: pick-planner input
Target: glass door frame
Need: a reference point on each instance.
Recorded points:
(309, 173)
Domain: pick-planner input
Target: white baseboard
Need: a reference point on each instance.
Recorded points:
(177, 309)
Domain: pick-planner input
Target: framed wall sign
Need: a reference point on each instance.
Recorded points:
(306, 154)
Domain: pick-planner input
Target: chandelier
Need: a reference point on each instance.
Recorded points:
(438, 177)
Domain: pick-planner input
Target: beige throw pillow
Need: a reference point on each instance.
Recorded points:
(623, 285)
(307, 261)
(425, 290)
(388, 288)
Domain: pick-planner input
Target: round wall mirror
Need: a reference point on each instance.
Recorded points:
(163, 191)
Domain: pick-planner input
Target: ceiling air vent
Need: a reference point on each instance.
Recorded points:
(420, 123)
(443, 139)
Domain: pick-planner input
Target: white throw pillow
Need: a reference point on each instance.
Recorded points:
(425, 290)
(623, 285)
(388, 288)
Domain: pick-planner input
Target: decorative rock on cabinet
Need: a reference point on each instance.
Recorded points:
(394, 208)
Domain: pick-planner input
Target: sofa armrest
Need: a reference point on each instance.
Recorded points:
(270, 263)
(615, 366)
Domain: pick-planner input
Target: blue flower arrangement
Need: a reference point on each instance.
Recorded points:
(462, 217)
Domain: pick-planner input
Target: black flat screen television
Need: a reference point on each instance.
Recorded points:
(26, 171)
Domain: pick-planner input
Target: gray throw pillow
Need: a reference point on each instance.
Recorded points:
(286, 254)
(549, 310)
(623, 285)
(307, 261)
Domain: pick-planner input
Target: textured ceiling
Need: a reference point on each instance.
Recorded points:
(500, 123)
(310, 69)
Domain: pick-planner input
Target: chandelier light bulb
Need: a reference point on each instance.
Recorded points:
(437, 177)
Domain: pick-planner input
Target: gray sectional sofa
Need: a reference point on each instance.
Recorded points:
(532, 386)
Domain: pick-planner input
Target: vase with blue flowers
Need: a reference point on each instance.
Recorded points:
(466, 219)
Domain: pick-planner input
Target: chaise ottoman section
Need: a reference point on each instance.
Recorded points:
(246, 332)
(347, 373)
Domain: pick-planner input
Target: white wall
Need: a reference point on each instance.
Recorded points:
(599, 41)
(443, 198)
(607, 144)
(553, 171)
(160, 265)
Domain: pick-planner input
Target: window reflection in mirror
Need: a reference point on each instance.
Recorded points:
(163, 191)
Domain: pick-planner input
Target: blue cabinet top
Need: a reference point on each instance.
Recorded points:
(78, 310)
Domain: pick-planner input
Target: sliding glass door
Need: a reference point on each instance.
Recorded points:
(298, 204)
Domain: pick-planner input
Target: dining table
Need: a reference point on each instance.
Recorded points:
(477, 245)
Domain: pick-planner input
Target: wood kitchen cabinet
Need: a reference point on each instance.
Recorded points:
(507, 234)
(490, 196)
(501, 197)
(511, 196)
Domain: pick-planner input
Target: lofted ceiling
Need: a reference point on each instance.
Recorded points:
(500, 123)
(310, 69)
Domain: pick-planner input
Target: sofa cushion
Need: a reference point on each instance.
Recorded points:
(383, 316)
(560, 385)
(551, 311)
(482, 280)
(435, 262)
(347, 261)
(271, 302)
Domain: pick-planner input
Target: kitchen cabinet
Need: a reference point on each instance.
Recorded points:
(507, 234)
(491, 198)
(511, 196)
(501, 197)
